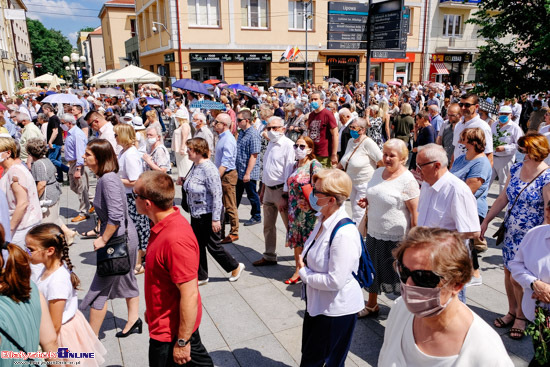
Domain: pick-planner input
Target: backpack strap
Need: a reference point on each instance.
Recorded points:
(342, 222)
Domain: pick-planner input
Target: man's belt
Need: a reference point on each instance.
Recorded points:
(276, 187)
(226, 172)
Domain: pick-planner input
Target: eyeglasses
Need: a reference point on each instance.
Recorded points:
(421, 278)
(452, 115)
(424, 164)
(135, 195)
(94, 121)
(355, 128)
(301, 146)
(217, 122)
(315, 192)
(467, 105)
(269, 128)
(239, 120)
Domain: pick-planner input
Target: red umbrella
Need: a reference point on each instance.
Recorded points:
(394, 83)
(212, 81)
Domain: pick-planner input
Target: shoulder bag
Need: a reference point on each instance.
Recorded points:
(308, 188)
(114, 257)
(352, 153)
(501, 231)
(184, 203)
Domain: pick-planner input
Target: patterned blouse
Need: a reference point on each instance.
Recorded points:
(204, 190)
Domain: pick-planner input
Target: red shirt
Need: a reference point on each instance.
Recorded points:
(172, 258)
(319, 128)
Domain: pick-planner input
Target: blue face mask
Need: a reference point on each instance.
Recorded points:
(503, 118)
(535, 108)
(354, 134)
(313, 203)
(314, 105)
(264, 122)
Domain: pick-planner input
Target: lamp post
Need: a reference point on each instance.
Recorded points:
(307, 17)
(74, 66)
(155, 29)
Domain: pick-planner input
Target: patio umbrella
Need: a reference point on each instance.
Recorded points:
(110, 91)
(212, 81)
(239, 87)
(436, 85)
(30, 90)
(191, 86)
(50, 92)
(64, 98)
(251, 99)
(333, 80)
(282, 78)
(150, 101)
(152, 86)
(393, 82)
(284, 85)
(208, 105)
(210, 87)
(380, 84)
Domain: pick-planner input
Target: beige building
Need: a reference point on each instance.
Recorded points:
(242, 40)
(96, 52)
(12, 34)
(118, 25)
(22, 43)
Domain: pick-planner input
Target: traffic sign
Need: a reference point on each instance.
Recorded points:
(383, 45)
(387, 28)
(347, 45)
(347, 36)
(345, 18)
(343, 27)
(382, 36)
(336, 7)
(381, 54)
(79, 74)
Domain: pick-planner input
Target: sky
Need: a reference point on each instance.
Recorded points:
(67, 16)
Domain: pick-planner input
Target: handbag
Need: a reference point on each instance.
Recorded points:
(114, 257)
(363, 225)
(501, 231)
(30, 361)
(184, 203)
(308, 188)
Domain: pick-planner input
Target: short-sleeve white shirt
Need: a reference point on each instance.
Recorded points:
(448, 204)
(58, 286)
(460, 149)
(130, 166)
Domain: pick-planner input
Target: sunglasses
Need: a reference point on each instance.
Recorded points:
(315, 192)
(269, 128)
(421, 278)
(239, 120)
(467, 105)
(355, 128)
(135, 195)
(301, 146)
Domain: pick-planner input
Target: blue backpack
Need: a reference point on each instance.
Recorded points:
(365, 273)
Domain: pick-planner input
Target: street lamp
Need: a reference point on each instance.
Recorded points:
(307, 17)
(74, 66)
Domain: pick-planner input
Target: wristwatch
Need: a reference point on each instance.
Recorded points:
(183, 342)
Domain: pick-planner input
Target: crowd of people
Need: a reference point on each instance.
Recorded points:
(414, 161)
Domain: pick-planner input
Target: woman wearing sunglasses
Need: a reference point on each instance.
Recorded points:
(428, 325)
(301, 218)
(333, 296)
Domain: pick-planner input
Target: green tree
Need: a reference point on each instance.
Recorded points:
(515, 59)
(48, 47)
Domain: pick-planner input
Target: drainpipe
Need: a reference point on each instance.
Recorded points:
(179, 39)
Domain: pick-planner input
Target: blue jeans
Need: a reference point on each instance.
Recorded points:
(54, 155)
(253, 197)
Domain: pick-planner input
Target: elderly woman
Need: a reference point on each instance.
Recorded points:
(361, 158)
(474, 168)
(20, 189)
(49, 190)
(428, 325)
(333, 295)
(527, 191)
(424, 133)
(153, 121)
(204, 196)
(157, 157)
(392, 196)
(530, 269)
(403, 123)
(130, 168)
(111, 208)
(376, 125)
(301, 218)
(297, 126)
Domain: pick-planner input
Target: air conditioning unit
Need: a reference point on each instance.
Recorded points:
(452, 42)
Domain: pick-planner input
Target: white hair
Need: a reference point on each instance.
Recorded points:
(343, 111)
(200, 116)
(435, 152)
(434, 108)
(276, 119)
(67, 117)
(361, 122)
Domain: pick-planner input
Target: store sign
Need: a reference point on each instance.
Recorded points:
(392, 56)
(335, 7)
(230, 57)
(342, 60)
(466, 58)
(169, 57)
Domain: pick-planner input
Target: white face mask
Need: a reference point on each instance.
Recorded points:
(151, 141)
(301, 153)
(64, 127)
(274, 135)
(2, 158)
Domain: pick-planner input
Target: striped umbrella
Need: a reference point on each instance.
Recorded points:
(208, 105)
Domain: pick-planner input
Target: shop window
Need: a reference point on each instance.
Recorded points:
(254, 13)
(452, 25)
(133, 27)
(204, 13)
(257, 72)
(296, 71)
(297, 13)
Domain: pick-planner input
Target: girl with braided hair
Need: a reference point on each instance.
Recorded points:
(47, 245)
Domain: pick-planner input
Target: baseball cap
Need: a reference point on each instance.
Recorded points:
(505, 109)
(181, 114)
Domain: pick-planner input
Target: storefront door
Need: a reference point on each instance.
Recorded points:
(344, 73)
(202, 71)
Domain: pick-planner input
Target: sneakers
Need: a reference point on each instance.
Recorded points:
(474, 281)
(236, 277)
(252, 221)
(203, 282)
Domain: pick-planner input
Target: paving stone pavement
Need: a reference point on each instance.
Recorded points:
(257, 321)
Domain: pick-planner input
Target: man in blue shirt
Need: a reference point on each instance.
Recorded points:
(75, 145)
(248, 165)
(437, 120)
(226, 154)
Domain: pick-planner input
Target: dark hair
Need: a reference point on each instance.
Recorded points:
(470, 95)
(158, 187)
(51, 235)
(78, 107)
(142, 99)
(37, 148)
(47, 106)
(423, 115)
(15, 280)
(199, 146)
(105, 156)
(245, 115)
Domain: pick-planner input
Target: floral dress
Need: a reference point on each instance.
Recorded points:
(301, 218)
(526, 214)
(374, 131)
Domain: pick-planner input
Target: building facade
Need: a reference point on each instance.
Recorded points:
(22, 43)
(118, 25)
(94, 45)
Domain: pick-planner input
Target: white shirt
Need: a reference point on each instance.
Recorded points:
(532, 262)
(107, 132)
(362, 163)
(331, 289)
(512, 134)
(58, 286)
(130, 166)
(482, 345)
(460, 149)
(340, 132)
(448, 204)
(516, 111)
(279, 162)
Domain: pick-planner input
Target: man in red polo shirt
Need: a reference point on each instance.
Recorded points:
(323, 130)
(172, 299)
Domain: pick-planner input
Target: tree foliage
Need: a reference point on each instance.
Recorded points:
(85, 29)
(516, 56)
(48, 47)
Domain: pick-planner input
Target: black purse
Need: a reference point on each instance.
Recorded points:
(184, 203)
(114, 257)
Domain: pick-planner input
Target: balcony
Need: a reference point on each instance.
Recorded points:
(459, 4)
(457, 44)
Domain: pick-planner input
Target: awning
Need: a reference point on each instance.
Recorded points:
(438, 68)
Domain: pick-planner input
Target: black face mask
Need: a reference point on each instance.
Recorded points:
(20, 124)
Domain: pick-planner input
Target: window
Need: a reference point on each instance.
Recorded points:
(296, 15)
(254, 13)
(204, 13)
(452, 25)
(133, 27)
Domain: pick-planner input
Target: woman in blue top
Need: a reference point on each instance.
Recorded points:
(474, 168)
(424, 133)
